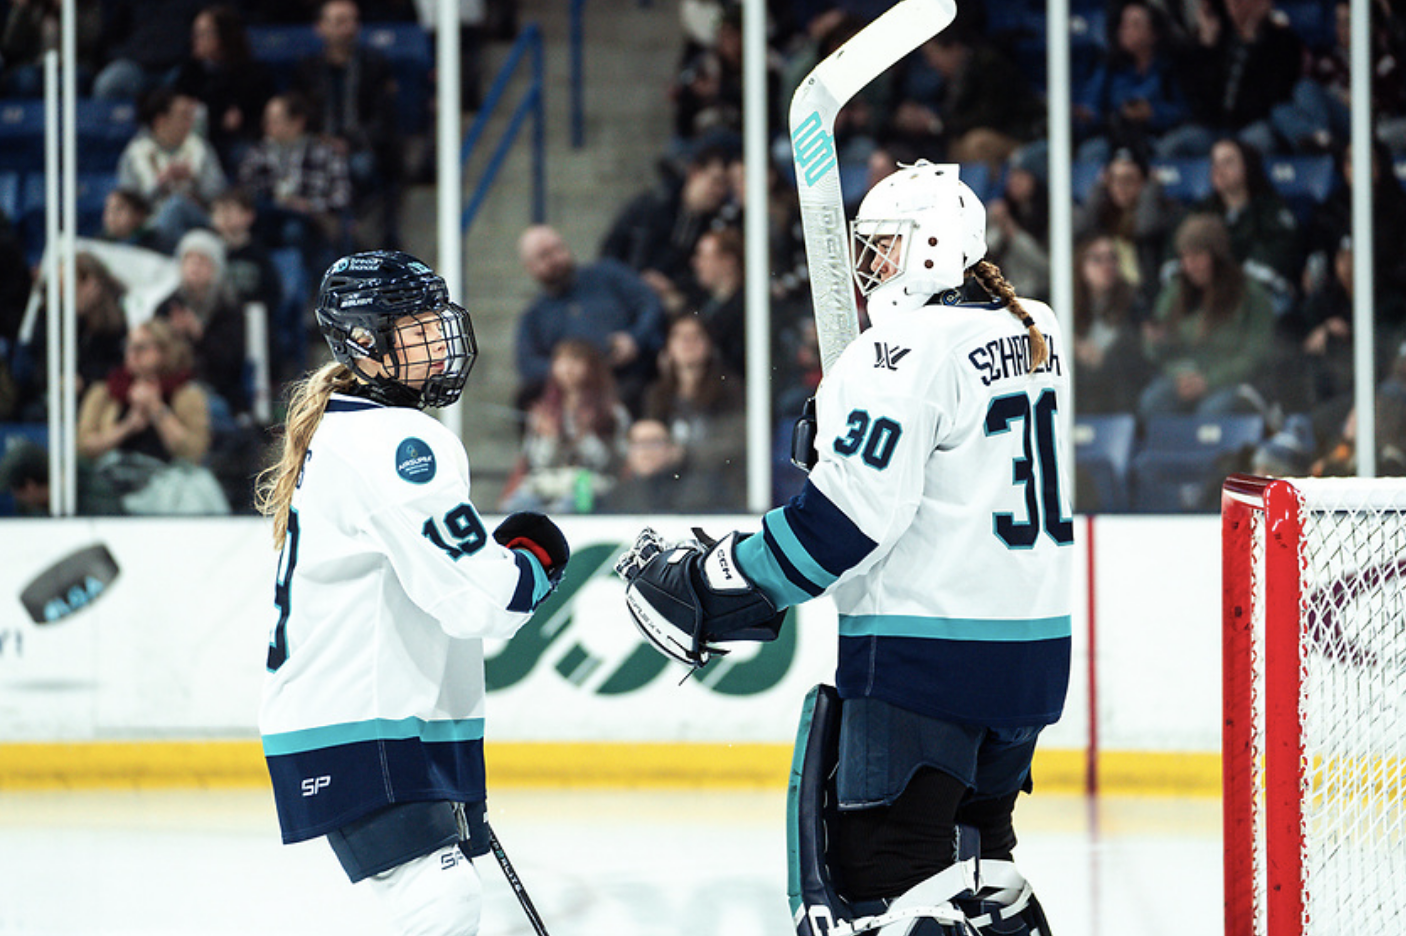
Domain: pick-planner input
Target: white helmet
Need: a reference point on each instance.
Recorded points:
(924, 228)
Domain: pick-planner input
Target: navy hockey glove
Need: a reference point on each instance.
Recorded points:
(803, 453)
(538, 535)
(684, 597)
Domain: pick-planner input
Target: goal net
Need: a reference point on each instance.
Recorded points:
(1314, 696)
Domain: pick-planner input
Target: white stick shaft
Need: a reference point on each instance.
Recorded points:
(872, 51)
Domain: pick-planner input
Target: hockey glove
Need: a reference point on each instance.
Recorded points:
(536, 534)
(803, 453)
(684, 597)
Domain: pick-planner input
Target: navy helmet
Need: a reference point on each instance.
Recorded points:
(360, 303)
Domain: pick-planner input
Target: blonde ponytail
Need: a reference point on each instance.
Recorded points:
(994, 282)
(307, 401)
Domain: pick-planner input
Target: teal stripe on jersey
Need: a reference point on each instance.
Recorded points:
(1000, 630)
(780, 529)
(376, 729)
(760, 565)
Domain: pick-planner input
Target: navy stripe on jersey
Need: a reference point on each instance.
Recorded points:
(804, 547)
(335, 405)
(532, 583)
(323, 789)
(984, 682)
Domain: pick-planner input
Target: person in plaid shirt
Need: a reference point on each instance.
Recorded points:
(301, 184)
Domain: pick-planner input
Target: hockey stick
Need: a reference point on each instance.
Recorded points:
(868, 54)
(515, 882)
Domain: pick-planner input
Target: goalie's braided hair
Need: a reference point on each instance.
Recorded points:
(994, 282)
(307, 401)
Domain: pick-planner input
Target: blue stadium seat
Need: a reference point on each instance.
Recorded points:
(1312, 20)
(1082, 176)
(104, 130)
(281, 48)
(979, 179)
(1185, 180)
(408, 47)
(1177, 460)
(1302, 181)
(22, 135)
(1103, 450)
(93, 188)
(10, 196)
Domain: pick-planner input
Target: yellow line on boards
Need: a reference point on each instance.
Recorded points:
(240, 763)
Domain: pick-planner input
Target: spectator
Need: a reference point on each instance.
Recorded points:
(24, 475)
(575, 436)
(249, 268)
(203, 311)
(720, 266)
(1264, 234)
(1212, 330)
(223, 75)
(984, 109)
(127, 220)
(102, 335)
(1240, 63)
(148, 414)
(603, 303)
(1018, 225)
(300, 183)
(702, 404)
(351, 92)
(253, 277)
(1111, 369)
(657, 231)
(658, 477)
(1331, 221)
(31, 29)
(1133, 96)
(15, 282)
(1326, 364)
(146, 41)
(171, 166)
(1129, 205)
(707, 94)
(1340, 457)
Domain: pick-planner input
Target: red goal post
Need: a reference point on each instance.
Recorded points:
(1314, 702)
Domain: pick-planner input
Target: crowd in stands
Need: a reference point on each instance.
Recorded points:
(1210, 277)
(232, 172)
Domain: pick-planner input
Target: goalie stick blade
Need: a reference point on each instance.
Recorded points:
(868, 54)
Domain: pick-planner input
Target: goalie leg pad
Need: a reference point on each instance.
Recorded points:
(817, 909)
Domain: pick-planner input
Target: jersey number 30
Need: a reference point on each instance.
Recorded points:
(1042, 506)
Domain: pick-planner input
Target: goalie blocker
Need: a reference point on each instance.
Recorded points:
(682, 598)
(971, 897)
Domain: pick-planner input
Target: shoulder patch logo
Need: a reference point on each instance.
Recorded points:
(887, 355)
(414, 461)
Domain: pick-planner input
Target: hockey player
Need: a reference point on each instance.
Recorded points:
(937, 517)
(373, 706)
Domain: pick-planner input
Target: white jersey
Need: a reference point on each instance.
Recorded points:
(387, 583)
(938, 517)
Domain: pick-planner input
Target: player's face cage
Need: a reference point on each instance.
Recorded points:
(433, 353)
(877, 246)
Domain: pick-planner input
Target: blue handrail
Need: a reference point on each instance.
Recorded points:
(578, 81)
(528, 42)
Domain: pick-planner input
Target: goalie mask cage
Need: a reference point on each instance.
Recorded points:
(1314, 691)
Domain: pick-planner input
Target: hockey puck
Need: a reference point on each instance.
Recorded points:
(69, 585)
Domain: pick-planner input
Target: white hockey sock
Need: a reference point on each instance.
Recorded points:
(438, 894)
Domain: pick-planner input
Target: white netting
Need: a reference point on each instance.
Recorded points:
(1353, 706)
(1257, 708)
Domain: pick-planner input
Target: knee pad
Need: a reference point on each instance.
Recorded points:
(438, 894)
(1003, 904)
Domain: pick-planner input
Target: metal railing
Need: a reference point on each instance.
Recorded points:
(529, 44)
